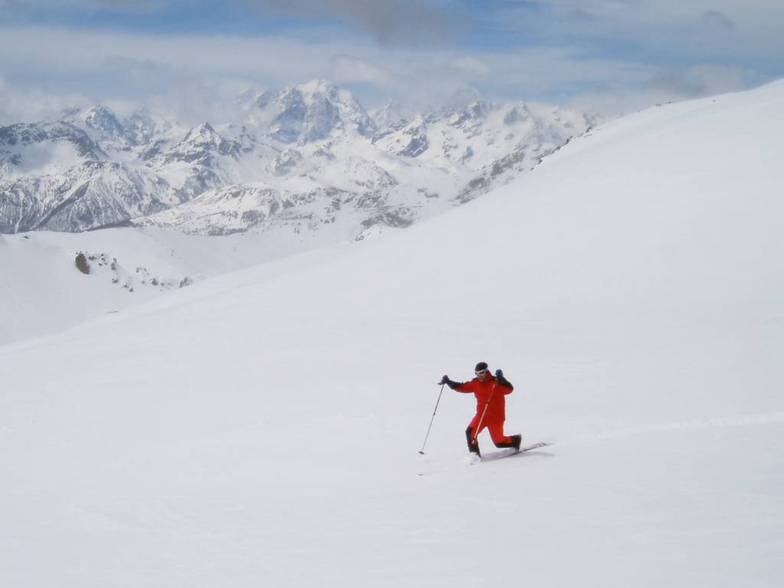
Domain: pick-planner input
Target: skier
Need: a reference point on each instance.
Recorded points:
(490, 407)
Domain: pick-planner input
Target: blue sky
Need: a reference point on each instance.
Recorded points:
(606, 55)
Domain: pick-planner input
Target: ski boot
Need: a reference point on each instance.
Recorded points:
(473, 444)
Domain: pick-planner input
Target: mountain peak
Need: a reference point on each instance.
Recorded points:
(204, 137)
(203, 133)
(461, 100)
(318, 86)
(201, 144)
(99, 111)
(103, 120)
(311, 112)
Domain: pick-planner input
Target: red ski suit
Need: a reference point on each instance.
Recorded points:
(493, 391)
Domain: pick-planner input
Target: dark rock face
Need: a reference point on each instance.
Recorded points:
(104, 122)
(81, 263)
(88, 196)
(202, 145)
(288, 125)
(416, 146)
(24, 135)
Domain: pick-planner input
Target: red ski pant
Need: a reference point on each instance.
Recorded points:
(496, 429)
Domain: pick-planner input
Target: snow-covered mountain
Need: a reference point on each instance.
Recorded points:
(77, 173)
(302, 157)
(262, 428)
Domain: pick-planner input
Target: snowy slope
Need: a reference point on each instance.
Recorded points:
(263, 427)
(43, 291)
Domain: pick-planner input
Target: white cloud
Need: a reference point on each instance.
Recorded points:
(388, 21)
(470, 65)
(118, 5)
(701, 80)
(719, 20)
(17, 105)
(700, 29)
(693, 82)
(149, 62)
(193, 75)
(63, 50)
(345, 69)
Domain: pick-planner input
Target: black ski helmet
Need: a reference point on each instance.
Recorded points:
(481, 366)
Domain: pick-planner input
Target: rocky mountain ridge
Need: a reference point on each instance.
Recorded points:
(303, 157)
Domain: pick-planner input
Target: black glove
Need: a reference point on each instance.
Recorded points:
(444, 380)
(499, 377)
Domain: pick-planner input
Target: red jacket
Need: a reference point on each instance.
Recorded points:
(492, 390)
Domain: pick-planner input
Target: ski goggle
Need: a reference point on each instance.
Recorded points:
(481, 372)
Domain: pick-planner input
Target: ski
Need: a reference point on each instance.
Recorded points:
(531, 447)
(473, 459)
(512, 453)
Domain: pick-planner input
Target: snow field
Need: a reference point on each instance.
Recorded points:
(263, 427)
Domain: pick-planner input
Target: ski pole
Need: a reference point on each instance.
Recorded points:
(484, 412)
(422, 451)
